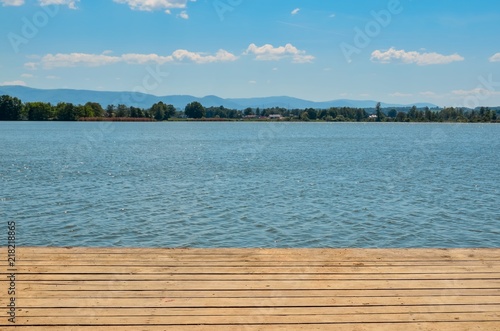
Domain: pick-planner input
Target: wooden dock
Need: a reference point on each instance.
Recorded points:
(252, 289)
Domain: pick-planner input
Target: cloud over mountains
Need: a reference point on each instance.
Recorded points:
(263, 53)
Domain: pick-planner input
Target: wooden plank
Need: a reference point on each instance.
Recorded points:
(262, 270)
(295, 284)
(255, 289)
(255, 276)
(252, 311)
(263, 319)
(407, 326)
(98, 262)
(308, 254)
(254, 302)
(255, 293)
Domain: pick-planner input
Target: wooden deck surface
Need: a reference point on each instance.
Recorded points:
(253, 289)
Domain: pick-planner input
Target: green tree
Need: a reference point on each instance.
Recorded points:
(39, 111)
(248, 111)
(304, 116)
(122, 111)
(140, 113)
(84, 111)
(485, 114)
(66, 112)
(401, 117)
(97, 109)
(10, 108)
(311, 113)
(233, 113)
(133, 112)
(158, 110)
(420, 116)
(169, 112)
(392, 113)
(194, 110)
(110, 111)
(378, 112)
(322, 114)
(412, 114)
(360, 115)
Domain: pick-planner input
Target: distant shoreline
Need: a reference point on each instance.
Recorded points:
(13, 109)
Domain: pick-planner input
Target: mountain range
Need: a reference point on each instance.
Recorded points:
(141, 100)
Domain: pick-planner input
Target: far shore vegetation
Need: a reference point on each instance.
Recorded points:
(13, 109)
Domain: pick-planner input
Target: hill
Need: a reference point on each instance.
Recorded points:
(54, 96)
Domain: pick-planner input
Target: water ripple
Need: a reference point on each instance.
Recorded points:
(198, 185)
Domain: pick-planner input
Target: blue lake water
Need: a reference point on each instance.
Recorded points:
(240, 184)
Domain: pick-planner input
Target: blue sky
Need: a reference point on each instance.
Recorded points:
(399, 51)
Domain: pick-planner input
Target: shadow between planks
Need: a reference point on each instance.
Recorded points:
(78, 288)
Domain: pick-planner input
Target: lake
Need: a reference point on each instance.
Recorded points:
(244, 184)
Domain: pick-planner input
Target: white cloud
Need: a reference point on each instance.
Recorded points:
(12, 2)
(52, 77)
(428, 94)
(252, 82)
(183, 15)
(270, 53)
(151, 5)
(295, 11)
(332, 15)
(27, 76)
(400, 95)
(422, 59)
(15, 82)
(220, 56)
(478, 91)
(30, 65)
(495, 58)
(70, 3)
(145, 58)
(51, 61)
(303, 59)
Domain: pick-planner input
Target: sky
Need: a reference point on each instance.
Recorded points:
(444, 52)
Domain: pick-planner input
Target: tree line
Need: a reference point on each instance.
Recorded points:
(13, 109)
